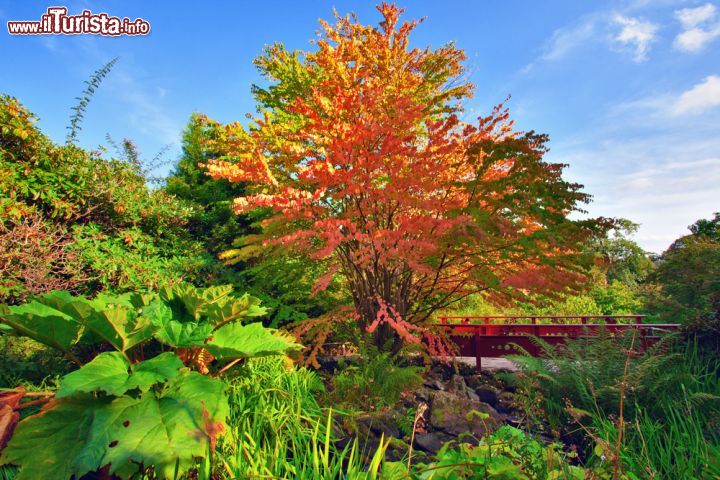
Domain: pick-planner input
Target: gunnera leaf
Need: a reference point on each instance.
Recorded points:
(234, 309)
(175, 428)
(246, 341)
(44, 324)
(122, 327)
(183, 335)
(111, 373)
(45, 445)
(79, 434)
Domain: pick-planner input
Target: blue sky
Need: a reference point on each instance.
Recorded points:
(629, 91)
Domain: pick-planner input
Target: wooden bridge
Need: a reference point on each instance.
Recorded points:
(497, 336)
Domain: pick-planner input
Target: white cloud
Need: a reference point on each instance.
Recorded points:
(695, 39)
(643, 162)
(692, 17)
(654, 180)
(699, 28)
(700, 98)
(635, 33)
(564, 40)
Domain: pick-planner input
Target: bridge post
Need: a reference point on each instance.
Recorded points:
(478, 353)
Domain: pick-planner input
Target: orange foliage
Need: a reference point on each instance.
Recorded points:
(361, 158)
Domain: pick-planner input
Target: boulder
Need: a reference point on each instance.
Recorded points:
(506, 402)
(458, 386)
(422, 394)
(428, 442)
(451, 413)
(487, 394)
(434, 383)
(378, 424)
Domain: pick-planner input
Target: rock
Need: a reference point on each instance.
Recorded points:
(389, 429)
(434, 384)
(487, 394)
(506, 402)
(449, 412)
(474, 381)
(428, 442)
(465, 369)
(378, 425)
(457, 385)
(422, 394)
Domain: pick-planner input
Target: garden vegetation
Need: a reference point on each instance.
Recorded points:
(187, 327)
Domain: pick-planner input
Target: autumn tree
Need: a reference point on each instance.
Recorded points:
(358, 158)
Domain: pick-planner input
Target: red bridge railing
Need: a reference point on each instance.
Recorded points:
(497, 336)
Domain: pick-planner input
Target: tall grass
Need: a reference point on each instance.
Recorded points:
(278, 430)
(669, 422)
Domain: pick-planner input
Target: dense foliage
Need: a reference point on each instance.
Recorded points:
(666, 403)
(285, 284)
(361, 161)
(688, 275)
(74, 220)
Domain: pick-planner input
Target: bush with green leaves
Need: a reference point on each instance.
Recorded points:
(145, 405)
(688, 276)
(90, 223)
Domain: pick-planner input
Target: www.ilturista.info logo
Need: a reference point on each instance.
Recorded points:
(57, 22)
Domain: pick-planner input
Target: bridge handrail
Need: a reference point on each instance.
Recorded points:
(582, 319)
(560, 325)
(543, 316)
(552, 330)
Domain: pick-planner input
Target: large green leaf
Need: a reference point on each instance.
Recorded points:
(45, 445)
(172, 332)
(183, 335)
(108, 372)
(184, 300)
(247, 341)
(111, 373)
(129, 299)
(122, 327)
(215, 304)
(161, 368)
(157, 311)
(44, 324)
(217, 293)
(81, 434)
(173, 429)
(234, 309)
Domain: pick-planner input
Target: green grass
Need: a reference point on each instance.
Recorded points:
(278, 430)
